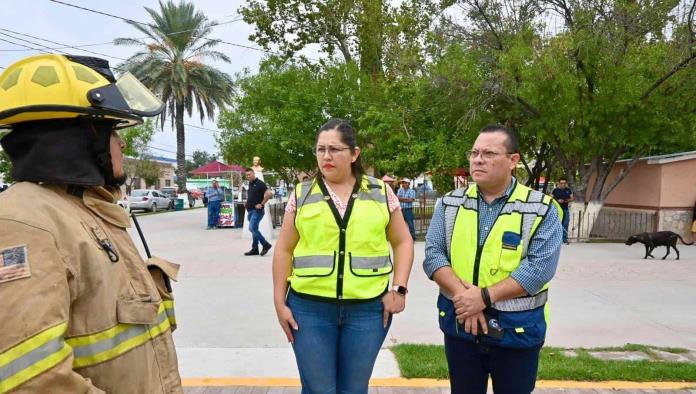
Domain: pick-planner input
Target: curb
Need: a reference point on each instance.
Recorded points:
(402, 382)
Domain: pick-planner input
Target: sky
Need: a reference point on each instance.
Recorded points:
(70, 26)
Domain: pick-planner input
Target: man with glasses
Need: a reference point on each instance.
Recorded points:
(563, 195)
(492, 248)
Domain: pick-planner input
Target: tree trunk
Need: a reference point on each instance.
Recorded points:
(370, 38)
(180, 147)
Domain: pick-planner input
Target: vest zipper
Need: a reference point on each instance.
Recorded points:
(342, 223)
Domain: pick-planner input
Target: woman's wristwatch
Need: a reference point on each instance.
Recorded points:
(400, 289)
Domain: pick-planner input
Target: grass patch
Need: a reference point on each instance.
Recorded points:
(428, 361)
(604, 241)
(632, 347)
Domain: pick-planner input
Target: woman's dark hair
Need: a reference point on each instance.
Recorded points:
(347, 137)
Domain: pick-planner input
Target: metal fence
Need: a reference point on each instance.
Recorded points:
(423, 210)
(610, 224)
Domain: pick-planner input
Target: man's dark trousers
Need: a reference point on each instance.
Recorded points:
(408, 216)
(254, 216)
(565, 222)
(513, 371)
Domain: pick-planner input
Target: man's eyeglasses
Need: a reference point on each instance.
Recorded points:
(486, 154)
(332, 150)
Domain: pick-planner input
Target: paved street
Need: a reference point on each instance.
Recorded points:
(603, 294)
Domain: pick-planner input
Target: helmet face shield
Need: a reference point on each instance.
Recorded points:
(127, 95)
(139, 98)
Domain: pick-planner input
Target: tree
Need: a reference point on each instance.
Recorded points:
(200, 157)
(5, 164)
(607, 86)
(138, 163)
(170, 62)
(278, 111)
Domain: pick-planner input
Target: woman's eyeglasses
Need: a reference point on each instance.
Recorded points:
(331, 150)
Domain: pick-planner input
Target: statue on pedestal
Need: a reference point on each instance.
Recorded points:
(258, 169)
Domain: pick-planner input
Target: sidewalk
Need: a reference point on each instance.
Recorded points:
(602, 295)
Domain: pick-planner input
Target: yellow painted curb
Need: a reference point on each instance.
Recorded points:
(402, 382)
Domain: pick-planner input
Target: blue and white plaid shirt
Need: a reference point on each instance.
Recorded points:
(543, 253)
(406, 193)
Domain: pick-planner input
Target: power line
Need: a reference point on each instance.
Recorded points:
(22, 45)
(63, 47)
(202, 128)
(79, 47)
(58, 43)
(152, 26)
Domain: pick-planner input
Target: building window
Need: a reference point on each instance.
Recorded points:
(167, 182)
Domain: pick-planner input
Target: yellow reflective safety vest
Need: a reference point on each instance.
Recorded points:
(341, 258)
(523, 319)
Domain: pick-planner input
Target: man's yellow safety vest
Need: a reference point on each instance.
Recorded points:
(523, 319)
(341, 258)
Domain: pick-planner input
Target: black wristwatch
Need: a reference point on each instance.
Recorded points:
(400, 289)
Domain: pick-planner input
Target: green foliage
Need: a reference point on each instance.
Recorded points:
(170, 63)
(138, 139)
(200, 158)
(6, 167)
(428, 361)
(278, 111)
(613, 82)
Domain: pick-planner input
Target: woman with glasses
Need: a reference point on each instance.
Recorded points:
(332, 266)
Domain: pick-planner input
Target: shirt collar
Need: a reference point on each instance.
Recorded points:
(506, 194)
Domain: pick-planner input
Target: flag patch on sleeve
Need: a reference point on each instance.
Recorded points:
(14, 264)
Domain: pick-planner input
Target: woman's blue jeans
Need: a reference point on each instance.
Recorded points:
(336, 345)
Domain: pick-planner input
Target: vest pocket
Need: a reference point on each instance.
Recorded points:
(510, 251)
(313, 266)
(522, 330)
(370, 265)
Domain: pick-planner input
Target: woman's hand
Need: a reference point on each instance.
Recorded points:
(393, 303)
(287, 322)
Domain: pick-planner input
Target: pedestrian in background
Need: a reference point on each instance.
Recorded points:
(563, 195)
(257, 197)
(332, 265)
(406, 198)
(214, 195)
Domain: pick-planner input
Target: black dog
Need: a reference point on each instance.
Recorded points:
(653, 240)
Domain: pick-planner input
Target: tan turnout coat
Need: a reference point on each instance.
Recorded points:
(80, 311)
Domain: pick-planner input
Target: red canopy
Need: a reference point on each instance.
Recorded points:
(461, 172)
(215, 168)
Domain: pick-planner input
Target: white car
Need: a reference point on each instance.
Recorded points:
(149, 200)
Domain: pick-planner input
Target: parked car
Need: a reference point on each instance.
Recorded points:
(150, 200)
(170, 192)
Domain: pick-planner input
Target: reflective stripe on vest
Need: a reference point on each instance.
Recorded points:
(108, 344)
(33, 357)
(518, 219)
(320, 267)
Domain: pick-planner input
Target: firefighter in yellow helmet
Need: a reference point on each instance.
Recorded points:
(82, 312)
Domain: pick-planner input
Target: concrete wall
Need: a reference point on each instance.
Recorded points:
(678, 184)
(640, 188)
(668, 187)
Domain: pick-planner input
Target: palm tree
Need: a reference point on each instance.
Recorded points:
(170, 63)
